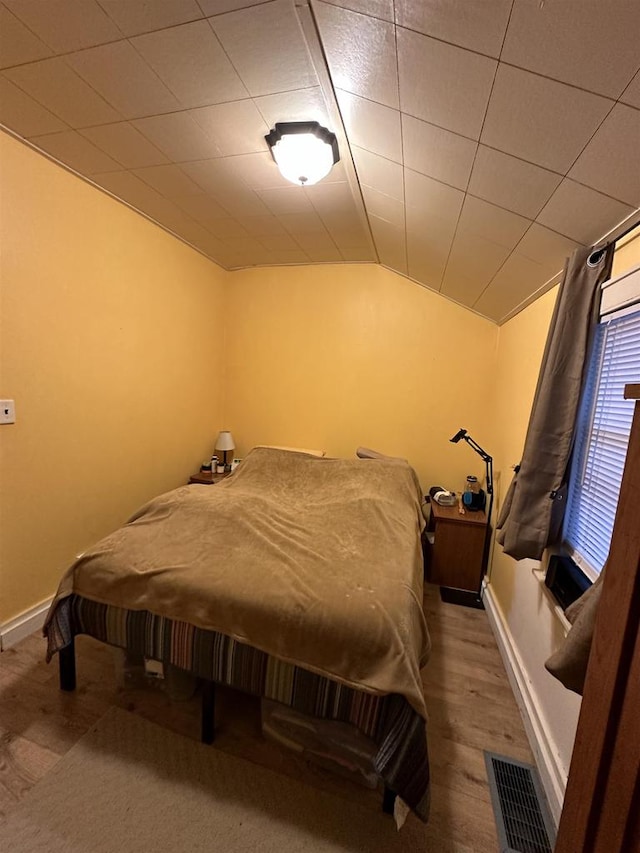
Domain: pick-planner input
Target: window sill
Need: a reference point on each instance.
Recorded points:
(539, 575)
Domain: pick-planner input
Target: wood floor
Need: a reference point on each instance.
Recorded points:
(470, 705)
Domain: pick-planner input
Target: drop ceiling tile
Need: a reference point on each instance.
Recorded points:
(324, 255)
(331, 199)
(178, 136)
(205, 210)
(285, 258)
(123, 79)
(514, 283)
(300, 105)
(17, 43)
(257, 171)
(443, 84)
(350, 231)
(134, 17)
(192, 231)
(437, 153)
(24, 115)
(463, 289)
(609, 163)
(427, 250)
(57, 87)
(472, 264)
(130, 188)
(574, 46)
(125, 144)
(631, 94)
(546, 248)
(214, 177)
(280, 242)
(219, 7)
(361, 52)
(236, 127)
(225, 228)
(384, 207)
(371, 126)
(192, 63)
(477, 26)
(66, 25)
(77, 152)
(582, 213)
(391, 244)
(277, 63)
(511, 183)
(426, 198)
(247, 247)
(291, 256)
(319, 246)
(490, 222)
(170, 181)
(540, 120)
(357, 254)
(286, 200)
(263, 226)
(215, 250)
(238, 201)
(375, 8)
(383, 175)
(302, 223)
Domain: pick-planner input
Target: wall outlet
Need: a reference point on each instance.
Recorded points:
(7, 412)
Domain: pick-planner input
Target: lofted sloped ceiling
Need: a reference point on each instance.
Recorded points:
(480, 140)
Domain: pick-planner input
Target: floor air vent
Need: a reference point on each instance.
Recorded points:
(523, 820)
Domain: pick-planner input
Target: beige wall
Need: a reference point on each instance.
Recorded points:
(107, 349)
(332, 357)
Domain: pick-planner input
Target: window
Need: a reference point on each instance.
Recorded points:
(604, 423)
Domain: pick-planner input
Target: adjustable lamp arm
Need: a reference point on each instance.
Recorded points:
(462, 434)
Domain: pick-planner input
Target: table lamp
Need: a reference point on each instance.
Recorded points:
(459, 596)
(225, 442)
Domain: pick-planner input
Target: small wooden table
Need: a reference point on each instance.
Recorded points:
(206, 478)
(454, 548)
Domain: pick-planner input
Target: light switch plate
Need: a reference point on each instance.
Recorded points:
(7, 412)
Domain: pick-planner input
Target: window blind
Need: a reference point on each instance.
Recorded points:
(602, 436)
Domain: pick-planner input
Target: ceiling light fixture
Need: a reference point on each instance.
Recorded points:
(304, 151)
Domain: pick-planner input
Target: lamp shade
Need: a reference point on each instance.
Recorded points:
(225, 441)
(304, 151)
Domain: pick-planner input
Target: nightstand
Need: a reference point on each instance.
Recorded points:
(206, 478)
(454, 552)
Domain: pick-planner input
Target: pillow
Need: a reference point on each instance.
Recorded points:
(293, 449)
(367, 453)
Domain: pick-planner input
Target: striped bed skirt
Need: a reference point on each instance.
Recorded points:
(389, 721)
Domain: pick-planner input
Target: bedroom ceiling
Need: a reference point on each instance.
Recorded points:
(480, 141)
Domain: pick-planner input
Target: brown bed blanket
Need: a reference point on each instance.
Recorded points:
(314, 560)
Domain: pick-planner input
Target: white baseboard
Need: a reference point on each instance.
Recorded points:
(23, 625)
(552, 775)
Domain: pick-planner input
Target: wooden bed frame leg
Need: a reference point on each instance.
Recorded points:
(388, 800)
(208, 711)
(67, 662)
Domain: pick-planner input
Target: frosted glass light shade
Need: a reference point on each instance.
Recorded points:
(225, 441)
(303, 151)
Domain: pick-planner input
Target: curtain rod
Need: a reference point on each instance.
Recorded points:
(621, 230)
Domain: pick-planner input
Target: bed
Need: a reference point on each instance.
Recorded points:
(297, 579)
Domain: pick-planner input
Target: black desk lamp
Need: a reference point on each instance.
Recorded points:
(459, 596)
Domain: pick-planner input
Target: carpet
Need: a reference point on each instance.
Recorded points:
(130, 785)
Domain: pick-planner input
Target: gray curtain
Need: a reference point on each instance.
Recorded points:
(569, 663)
(531, 515)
